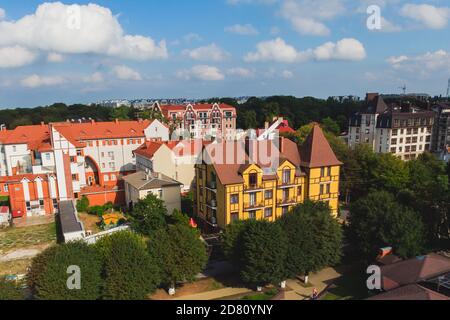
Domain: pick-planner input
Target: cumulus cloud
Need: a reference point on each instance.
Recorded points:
(96, 77)
(425, 63)
(35, 81)
(15, 56)
(240, 72)
(211, 52)
(429, 16)
(279, 51)
(126, 73)
(78, 29)
(242, 29)
(55, 57)
(202, 72)
(307, 17)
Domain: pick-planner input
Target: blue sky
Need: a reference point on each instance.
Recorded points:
(75, 52)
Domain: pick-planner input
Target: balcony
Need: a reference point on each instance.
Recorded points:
(287, 184)
(253, 206)
(212, 204)
(286, 202)
(212, 186)
(253, 187)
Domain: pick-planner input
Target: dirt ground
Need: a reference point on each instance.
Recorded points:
(188, 289)
(14, 267)
(90, 222)
(38, 236)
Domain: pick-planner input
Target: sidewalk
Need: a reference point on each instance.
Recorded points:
(318, 280)
(215, 294)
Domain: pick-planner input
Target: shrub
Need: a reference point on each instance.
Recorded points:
(83, 204)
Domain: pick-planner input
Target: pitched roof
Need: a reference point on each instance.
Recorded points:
(375, 103)
(410, 292)
(165, 109)
(148, 149)
(37, 137)
(414, 270)
(316, 151)
(155, 181)
(103, 130)
(3, 135)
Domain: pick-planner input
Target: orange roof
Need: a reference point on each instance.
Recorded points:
(148, 149)
(102, 130)
(316, 151)
(37, 137)
(180, 148)
(20, 177)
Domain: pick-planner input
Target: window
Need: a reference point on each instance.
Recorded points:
(321, 189)
(252, 197)
(394, 141)
(393, 150)
(55, 204)
(253, 179)
(28, 205)
(47, 156)
(106, 178)
(5, 188)
(268, 194)
(113, 177)
(234, 217)
(299, 191)
(284, 210)
(322, 172)
(286, 176)
(75, 177)
(268, 212)
(14, 148)
(394, 132)
(252, 215)
(328, 188)
(234, 199)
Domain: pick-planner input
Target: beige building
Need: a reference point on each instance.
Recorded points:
(142, 183)
(175, 159)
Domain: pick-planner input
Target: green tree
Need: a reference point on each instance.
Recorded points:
(314, 238)
(378, 220)
(10, 291)
(49, 272)
(179, 252)
(248, 119)
(83, 204)
(121, 113)
(264, 248)
(148, 215)
(331, 126)
(129, 272)
(232, 240)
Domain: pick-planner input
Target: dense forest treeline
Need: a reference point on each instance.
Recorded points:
(252, 114)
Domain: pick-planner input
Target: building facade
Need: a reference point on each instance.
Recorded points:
(44, 164)
(254, 189)
(441, 134)
(200, 121)
(405, 131)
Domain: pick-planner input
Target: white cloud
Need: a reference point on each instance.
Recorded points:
(242, 29)
(2, 14)
(15, 56)
(201, 72)
(96, 77)
(126, 73)
(55, 57)
(240, 72)
(77, 29)
(211, 52)
(273, 50)
(424, 64)
(307, 16)
(191, 37)
(430, 16)
(279, 51)
(345, 49)
(388, 26)
(35, 81)
(287, 74)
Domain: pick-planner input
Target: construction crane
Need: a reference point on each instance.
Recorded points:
(403, 89)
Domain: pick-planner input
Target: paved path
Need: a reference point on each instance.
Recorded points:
(20, 254)
(215, 294)
(318, 280)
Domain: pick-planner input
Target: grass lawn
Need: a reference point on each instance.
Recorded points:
(262, 296)
(19, 238)
(14, 267)
(90, 222)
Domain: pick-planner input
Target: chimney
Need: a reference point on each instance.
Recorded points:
(140, 120)
(42, 123)
(92, 121)
(282, 144)
(116, 121)
(266, 125)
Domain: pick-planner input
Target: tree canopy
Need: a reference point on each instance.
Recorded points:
(148, 215)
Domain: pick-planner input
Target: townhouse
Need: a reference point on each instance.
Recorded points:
(264, 179)
(405, 131)
(44, 164)
(200, 121)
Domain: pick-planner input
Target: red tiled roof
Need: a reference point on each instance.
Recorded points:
(20, 177)
(4, 135)
(102, 130)
(316, 151)
(414, 270)
(180, 148)
(36, 137)
(410, 292)
(148, 149)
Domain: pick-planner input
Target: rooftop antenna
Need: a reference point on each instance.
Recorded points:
(403, 89)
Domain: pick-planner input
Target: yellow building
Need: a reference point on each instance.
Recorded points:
(261, 180)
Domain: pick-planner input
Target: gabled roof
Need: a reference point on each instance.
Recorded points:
(414, 270)
(103, 130)
(148, 149)
(37, 137)
(4, 135)
(141, 181)
(316, 152)
(375, 104)
(410, 292)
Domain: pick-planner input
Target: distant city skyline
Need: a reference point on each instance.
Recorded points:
(84, 53)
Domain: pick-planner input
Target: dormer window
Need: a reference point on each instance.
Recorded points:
(286, 176)
(253, 179)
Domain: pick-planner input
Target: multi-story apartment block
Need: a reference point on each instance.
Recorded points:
(247, 187)
(405, 131)
(200, 121)
(441, 134)
(44, 164)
